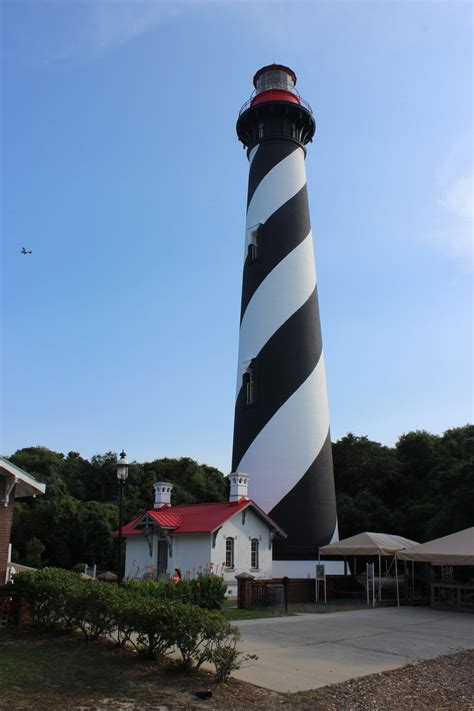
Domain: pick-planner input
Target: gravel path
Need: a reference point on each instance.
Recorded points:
(442, 683)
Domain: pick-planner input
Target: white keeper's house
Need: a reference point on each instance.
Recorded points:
(228, 537)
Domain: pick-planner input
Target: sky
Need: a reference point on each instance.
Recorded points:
(122, 172)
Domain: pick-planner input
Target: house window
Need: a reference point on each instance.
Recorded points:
(229, 553)
(254, 553)
(248, 379)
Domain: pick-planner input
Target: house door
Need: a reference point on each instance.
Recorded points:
(162, 556)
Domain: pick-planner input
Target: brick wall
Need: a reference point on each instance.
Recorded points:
(6, 517)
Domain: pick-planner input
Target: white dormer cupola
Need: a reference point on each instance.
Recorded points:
(239, 486)
(162, 494)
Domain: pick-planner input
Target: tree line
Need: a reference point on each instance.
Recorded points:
(421, 488)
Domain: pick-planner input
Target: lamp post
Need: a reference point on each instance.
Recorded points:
(122, 474)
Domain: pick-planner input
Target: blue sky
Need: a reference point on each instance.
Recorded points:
(123, 174)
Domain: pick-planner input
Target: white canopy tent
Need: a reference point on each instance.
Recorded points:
(370, 544)
(455, 549)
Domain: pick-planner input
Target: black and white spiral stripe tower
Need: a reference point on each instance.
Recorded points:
(281, 429)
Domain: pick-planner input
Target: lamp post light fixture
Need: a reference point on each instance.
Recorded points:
(122, 474)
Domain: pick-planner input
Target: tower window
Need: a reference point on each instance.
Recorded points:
(260, 129)
(255, 243)
(254, 553)
(249, 385)
(229, 553)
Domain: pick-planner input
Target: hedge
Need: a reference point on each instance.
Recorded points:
(206, 590)
(140, 614)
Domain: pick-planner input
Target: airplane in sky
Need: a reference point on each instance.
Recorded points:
(25, 251)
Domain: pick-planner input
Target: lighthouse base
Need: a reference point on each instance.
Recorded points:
(305, 568)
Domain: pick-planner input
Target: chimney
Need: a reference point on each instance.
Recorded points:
(239, 485)
(162, 494)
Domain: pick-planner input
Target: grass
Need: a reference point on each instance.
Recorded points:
(61, 672)
(49, 671)
(236, 614)
(232, 613)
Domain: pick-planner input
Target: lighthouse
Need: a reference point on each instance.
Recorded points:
(281, 425)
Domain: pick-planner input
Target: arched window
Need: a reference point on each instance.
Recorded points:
(229, 553)
(254, 553)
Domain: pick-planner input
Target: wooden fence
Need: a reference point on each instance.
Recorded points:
(255, 594)
(13, 609)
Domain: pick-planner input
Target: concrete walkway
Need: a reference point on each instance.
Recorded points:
(309, 651)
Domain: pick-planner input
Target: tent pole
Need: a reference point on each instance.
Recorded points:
(316, 581)
(380, 580)
(373, 584)
(367, 584)
(396, 575)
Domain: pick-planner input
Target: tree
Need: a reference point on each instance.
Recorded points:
(33, 551)
(74, 520)
(422, 488)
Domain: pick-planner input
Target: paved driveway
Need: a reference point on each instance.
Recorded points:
(308, 651)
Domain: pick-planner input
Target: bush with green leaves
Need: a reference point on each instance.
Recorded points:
(220, 647)
(48, 592)
(161, 590)
(195, 630)
(148, 624)
(93, 608)
(206, 590)
(209, 591)
(225, 656)
(138, 613)
(62, 599)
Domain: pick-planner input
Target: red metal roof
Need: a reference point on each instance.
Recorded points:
(195, 518)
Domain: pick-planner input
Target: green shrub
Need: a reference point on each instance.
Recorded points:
(193, 626)
(47, 592)
(92, 608)
(148, 623)
(61, 598)
(204, 635)
(161, 590)
(225, 656)
(153, 617)
(207, 590)
(221, 646)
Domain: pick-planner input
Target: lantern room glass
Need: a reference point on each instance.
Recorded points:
(275, 79)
